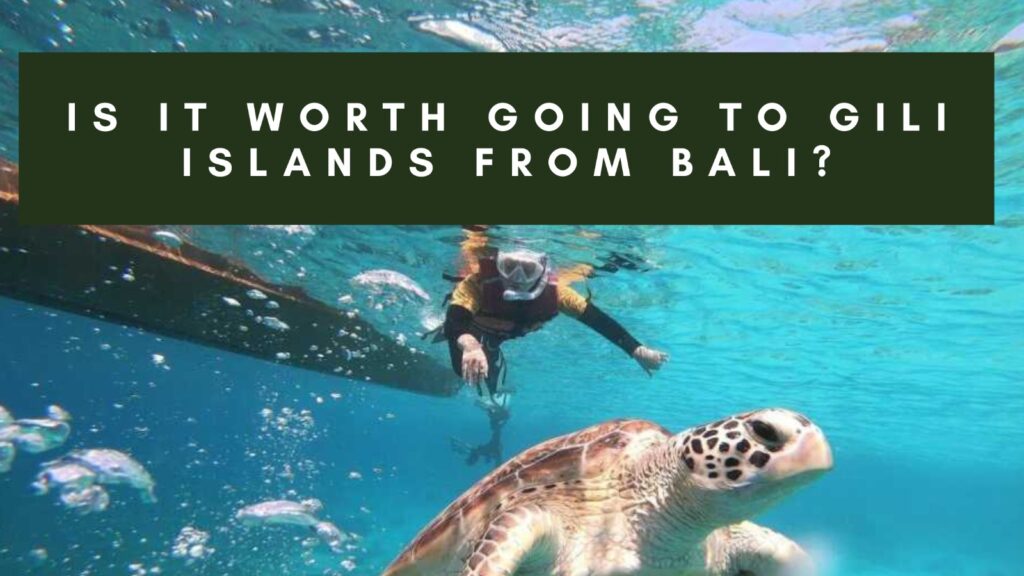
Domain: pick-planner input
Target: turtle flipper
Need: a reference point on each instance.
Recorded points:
(746, 549)
(507, 541)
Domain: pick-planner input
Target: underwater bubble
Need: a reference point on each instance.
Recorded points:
(378, 280)
(63, 475)
(191, 544)
(331, 535)
(38, 555)
(273, 323)
(231, 302)
(87, 500)
(276, 512)
(7, 453)
(55, 412)
(256, 294)
(115, 467)
(41, 434)
(75, 484)
(313, 505)
(288, 512)
(159, 359)
(167, 238)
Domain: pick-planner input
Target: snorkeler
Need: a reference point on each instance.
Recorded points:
(512, 295)
(490, 451)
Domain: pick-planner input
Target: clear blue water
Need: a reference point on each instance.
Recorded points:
(906, 344)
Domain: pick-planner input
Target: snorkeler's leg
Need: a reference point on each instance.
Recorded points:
(495, 452)
(474, 456)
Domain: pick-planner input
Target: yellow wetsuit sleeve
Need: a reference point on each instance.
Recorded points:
(570, 302)
(468, 294)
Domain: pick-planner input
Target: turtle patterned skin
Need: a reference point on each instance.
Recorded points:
(628, 498)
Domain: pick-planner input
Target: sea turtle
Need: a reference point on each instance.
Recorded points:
(628, 498)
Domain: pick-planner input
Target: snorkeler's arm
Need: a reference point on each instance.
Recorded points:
(570, 302)
(465, 302)
(467, 355)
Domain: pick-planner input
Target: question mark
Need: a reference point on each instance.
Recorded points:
(825, 153)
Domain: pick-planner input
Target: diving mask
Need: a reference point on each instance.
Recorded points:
(523, 274)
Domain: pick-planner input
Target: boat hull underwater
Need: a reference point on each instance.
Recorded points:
(126, 275)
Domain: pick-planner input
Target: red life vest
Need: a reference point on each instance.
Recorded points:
(512, 319)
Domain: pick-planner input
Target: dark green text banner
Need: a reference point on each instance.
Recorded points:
(518, 138)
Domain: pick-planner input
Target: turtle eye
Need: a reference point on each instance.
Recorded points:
(765, 432)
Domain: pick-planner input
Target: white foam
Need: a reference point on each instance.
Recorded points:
(461, 34)
(384, 278)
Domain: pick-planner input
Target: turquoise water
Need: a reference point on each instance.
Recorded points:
(903, 343)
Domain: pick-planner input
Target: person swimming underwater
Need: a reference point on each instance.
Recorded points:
(510, 296)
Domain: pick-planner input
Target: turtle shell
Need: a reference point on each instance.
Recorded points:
(561, 461)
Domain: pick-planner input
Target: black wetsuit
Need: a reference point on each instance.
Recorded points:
(459, 320)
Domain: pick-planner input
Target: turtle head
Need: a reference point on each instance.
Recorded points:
(743, 464)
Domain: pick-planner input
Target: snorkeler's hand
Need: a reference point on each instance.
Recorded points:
(649, 359)
(474, 366)
(474, 360)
